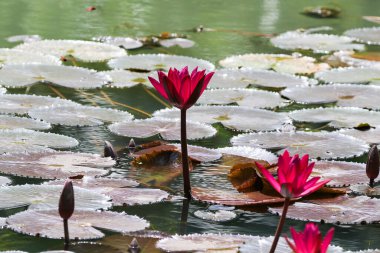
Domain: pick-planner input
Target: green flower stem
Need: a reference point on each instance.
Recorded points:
(280, 225)
(185, 159)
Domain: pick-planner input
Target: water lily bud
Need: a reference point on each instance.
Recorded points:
(134, 247)
(109, 151)
(66, 201)
(372, 167)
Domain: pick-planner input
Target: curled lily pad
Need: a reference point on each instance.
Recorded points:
(292, 64)
(369, 35)
(83, 224)
(323, 145)
(340, 210)
(10, 122)
(150, 62)
(346, 95)
(124, 42)
(67, 76)
(365, 189)
(319, 43)
(371, 136)
(243, 97)
(82, 50)
(21, 104)
(22, 140)
(79, 115)
(125, 78)
(181, 42)
(220, 215)
(169, 129)
(201, 154)
(44, 197)
(52, 165)
(13, 56)
(24, 38)
(350, 75)
(249, 152)
(338, 117)
(359, 59)
(234, 117)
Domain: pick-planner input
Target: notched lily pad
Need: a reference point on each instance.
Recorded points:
(13, 56)
(124, 42)
(369, 35)
(125, 78)
(10, 122)
(350, 75)
(218, 216)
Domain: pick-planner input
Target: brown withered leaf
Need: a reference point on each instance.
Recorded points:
(244, 177)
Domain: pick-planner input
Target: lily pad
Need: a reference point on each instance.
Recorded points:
(350, 75)
(124, 42)
(181, 42)
(4, 181)
(14, 56)
(67, 76)
(243, 97)
(369, 35)
(79, 115)
(201, 154)
(374, 19)
(55, 165)
(43, 197)
(233, 117)
(371, 136)
(10, 122)
(365, 189)
(126, 79)
(218, 216)
(150, 62)
(337, 117)
(249, 152)
(82, 50)
(359, 59)
(24, 38)
(83, 224)
(169, 129)
(323, 145)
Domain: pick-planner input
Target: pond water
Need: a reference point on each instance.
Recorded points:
(237, 25)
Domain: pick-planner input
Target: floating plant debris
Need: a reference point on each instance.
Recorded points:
(168, 129)
(14, 56)
(346, 95)
(21, 104)
(24, 38)
(323, 145)
(125, 78)
(242, 78)
(124, 42)
(218, 216)
(371, 136)
(44, 197)
(79, 115)
(81, 50)
(359, 59)
(150, 62)
(181, 42)
(249, 152)
(83, 224)
(337, 117)
(67, 76)
(292, 64)
(234, 117)
(244, 97)
(55, 165)
(322, 12)
(350, 75)
(369, 35)
(11, 122)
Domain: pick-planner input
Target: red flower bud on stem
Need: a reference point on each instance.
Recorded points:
(372, 167)
(66, 207)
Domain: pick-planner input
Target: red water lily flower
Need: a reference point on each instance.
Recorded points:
(293, 173)
(310, 240)
(180, 88)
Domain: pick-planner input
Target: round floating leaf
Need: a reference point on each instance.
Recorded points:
(346, 95)
(125, 78)
(4, 181)
(47, 196)
(13, 56)
(79, 115)
(323, 145)
(365, 189)
(124, 42)
(61, 165)
(243, 97)
(159, 62)
(292, 64)
(369, 35)
(10, 122)
(21, 104)
(350, 75)
(67, 76)
(201, 154)
(220, 215)
(234, 117)
(181, 42)
(169, 129)
(374, 19)
(82, 50)
(83, 224)
(371, 136)
(249, 152)
(319, 43)
(22, 140)
(340, 210)
(338, 117)
(362, 59)
(23, 38)
(242, 78)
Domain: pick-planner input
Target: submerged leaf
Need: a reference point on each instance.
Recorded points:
(218, 216)
(24, 38)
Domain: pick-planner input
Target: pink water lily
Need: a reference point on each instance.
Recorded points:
(310, 240)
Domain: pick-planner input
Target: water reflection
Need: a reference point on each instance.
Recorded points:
(271, 13)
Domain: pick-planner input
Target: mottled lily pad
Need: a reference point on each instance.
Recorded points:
(82, 50)
(249, 152)
(234, 117)
(181, 42)
(44, 197)
(337, 117)
(365, 189)
(243, 97)
(346, 95)
(340, 210)
(83, 224)
(125, 78)
(218, 216)
(150, 62)
(10, 122)
(350, 75)
(323, 145)
(371, 136)
(55, 165)
(24, 38)
(292, 64)
(359, 59)
(67, 76)
(369, 35)
(79, 115)
(13, 56)
(169, 129)
(124, 42)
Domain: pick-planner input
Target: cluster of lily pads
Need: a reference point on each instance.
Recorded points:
(252, 96)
